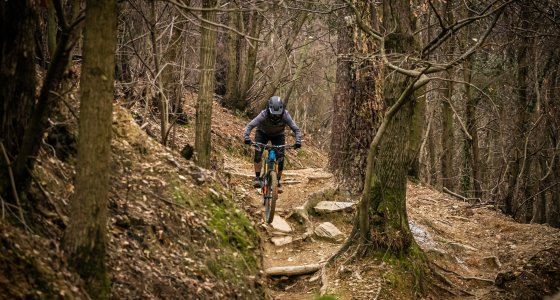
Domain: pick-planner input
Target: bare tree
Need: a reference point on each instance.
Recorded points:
(85, 236)
(206, 91)
(381, 226)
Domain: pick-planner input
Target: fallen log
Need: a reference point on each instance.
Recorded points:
(293, 270)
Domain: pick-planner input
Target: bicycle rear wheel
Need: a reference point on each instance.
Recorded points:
(271, 197)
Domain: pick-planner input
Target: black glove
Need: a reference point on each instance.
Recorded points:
(297, 145)
(247, 141)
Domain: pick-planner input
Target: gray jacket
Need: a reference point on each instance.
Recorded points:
(270, 128)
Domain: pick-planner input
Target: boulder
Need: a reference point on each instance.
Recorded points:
(329, 232)
(278, 223)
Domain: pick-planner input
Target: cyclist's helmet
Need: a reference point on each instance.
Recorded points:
(275, 108)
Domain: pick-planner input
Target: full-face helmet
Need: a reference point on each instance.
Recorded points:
(275, 107)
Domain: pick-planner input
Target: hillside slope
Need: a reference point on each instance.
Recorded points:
(180, 232)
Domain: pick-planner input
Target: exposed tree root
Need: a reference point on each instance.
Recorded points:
(445, 280)
(462, 276)
(293, 270)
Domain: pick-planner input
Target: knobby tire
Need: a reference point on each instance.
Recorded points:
(272, 195)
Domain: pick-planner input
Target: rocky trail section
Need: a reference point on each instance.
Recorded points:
(479, 253)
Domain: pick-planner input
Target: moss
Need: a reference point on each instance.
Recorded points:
(181, 196)
(233, 234)
(236, 237)
(234, 230)
(406, 277)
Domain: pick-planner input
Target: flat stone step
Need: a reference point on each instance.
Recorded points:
(325, 207)
(280, 224)
(281, 240)
(329, 232)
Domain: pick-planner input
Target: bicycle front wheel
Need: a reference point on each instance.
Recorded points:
(272, 193)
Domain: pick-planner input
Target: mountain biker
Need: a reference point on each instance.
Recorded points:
(270, 124)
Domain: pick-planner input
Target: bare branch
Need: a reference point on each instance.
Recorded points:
(443, 27)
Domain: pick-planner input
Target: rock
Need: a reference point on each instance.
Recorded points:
(281, 240)
(325, 207)
(122, 221)
(329, 232)
(280, 224)
(300, 215)
(491, 262)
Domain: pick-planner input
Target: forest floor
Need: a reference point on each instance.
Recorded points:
(162, 240)
(470, 245)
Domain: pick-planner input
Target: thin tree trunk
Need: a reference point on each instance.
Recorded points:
(52, 28)
(473, 161)
(44, 107)
(447, 136)
(231, 98)
(206, 91)
(247, 70)
(85, 237)
(416, 133)
(18, 21)
(160, 96)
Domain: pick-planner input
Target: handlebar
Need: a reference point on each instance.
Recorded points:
(268, 147)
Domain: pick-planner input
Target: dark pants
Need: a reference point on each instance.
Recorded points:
(261, 137)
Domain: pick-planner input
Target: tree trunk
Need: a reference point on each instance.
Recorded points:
(160, 93)
(472, 159)
(447, 136)
(206, 90)
(416, 134)
(85, 236)
(52, 29)
(382, 221)
(247, 70)
(342, 95)
(231, 99)
(357, 105)
(44, 107)
(18, 21)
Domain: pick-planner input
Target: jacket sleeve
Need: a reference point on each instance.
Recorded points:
(290, 122)
(254, 123)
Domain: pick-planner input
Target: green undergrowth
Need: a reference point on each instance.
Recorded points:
(236, 237)
(406, 277)
(234, 234)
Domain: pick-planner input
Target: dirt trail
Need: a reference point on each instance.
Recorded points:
(469, 244)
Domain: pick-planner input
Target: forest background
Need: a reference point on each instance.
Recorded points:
(478, 82)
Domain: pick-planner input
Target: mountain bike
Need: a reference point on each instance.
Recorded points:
(270, 178)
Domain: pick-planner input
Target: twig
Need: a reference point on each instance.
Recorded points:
(477, 278)
(455, 194)
(378, 290)
(463, 127)
(3, 209)
(13, 182)
(46, 194)
(68, 106)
